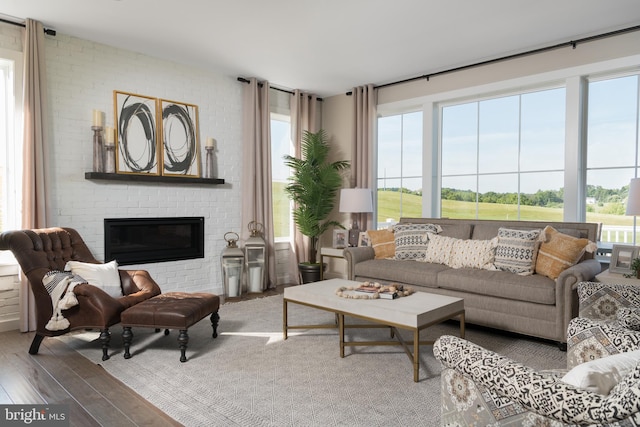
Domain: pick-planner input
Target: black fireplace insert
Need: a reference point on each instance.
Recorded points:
(146, 240)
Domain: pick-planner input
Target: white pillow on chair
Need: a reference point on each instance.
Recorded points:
(602, 375)
(103, 276)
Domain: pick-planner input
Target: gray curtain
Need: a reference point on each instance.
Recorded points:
(257, 199)
(304, 117)
(35, 152)
(365, 119)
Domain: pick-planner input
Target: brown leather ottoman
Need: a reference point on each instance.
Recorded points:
(173, 310)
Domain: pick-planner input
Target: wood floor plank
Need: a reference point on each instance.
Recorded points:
(50, 388)
(18, 388)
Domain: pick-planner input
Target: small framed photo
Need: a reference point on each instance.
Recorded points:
(340, 238)
(363, 239)
(621, 257)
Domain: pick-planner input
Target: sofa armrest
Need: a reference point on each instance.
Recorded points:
(566, 289)
(356, 255)
(542, 393)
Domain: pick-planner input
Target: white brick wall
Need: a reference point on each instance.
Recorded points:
(82, 76)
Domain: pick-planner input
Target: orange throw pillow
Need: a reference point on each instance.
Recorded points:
(560, 251)
(383, 243)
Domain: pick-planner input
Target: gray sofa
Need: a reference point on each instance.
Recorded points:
(533, 305)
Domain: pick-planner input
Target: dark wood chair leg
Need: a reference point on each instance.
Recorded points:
(215, 318)
(105, 336)
(35, 344)
(127, 337)
(183, 340)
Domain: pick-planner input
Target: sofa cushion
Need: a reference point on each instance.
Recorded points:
(412, 239)
(516, 251)
(383, 243)
(559, 251)
(390, 270)
(502, 284)
(473, 253)
(602, 375)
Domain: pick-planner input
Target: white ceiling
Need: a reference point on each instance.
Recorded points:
(328, 46)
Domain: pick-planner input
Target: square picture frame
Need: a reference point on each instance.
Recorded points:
(621, 257)
(340, 238)
(180, 140)
(363, 239)
(136, 123)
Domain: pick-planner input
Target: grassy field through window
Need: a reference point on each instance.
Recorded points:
(389, 209)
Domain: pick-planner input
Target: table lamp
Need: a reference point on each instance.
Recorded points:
(355, 201)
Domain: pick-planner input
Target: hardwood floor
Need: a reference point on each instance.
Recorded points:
(60, 375)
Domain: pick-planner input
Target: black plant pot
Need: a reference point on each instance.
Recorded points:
(310, 272)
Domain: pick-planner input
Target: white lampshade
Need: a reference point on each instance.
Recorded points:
(356, 200)
(633, 201)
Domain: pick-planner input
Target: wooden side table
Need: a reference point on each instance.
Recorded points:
(329, 253)
(608, 277)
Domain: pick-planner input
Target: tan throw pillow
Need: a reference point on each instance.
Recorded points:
(383, 243)
(473, 254)
(560, 251)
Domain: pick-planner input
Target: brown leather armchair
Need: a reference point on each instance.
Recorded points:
(40, 251)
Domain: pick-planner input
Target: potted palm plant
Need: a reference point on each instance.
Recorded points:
(313, 186)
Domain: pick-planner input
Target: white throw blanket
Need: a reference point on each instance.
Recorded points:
(60, 286)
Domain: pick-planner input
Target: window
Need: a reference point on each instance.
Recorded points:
(280, 146)
(503, 158)
(10, 139)
(612, 154)
(399, 179)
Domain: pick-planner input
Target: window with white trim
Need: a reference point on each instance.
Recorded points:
(503, 157)
(612, 154)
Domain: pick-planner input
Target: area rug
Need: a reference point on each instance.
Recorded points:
(250, 376)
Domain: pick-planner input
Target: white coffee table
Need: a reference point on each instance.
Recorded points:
(414, 313)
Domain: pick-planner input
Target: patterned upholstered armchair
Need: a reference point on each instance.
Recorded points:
(604, 325)
(482, 388)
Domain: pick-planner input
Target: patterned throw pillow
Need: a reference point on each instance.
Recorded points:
(383, 243)
(629, 317)
(473, 254)
(439, 249)
(412, 240)
(516, 250)
(559, 251)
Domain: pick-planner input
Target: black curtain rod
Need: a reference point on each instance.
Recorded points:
(572, 43)
(47, 31)
(243, 80)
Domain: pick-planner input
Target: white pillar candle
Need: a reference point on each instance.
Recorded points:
(109, 135)
(97, 118)
(255, 276)
(210, 142)
(233, 286)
